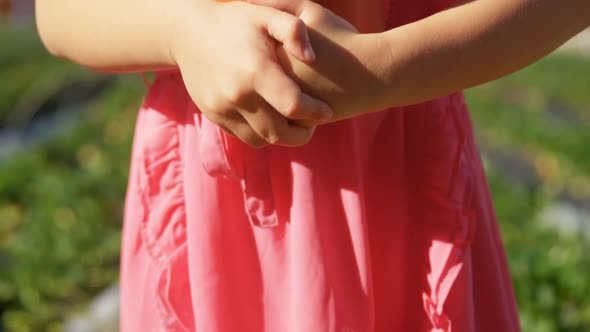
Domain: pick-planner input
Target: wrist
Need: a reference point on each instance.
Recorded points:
(186, 25)
(374, 54)
(394, 55)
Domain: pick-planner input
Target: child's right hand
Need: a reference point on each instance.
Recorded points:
(227, 58)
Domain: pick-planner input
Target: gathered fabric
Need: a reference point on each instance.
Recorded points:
(383, 222)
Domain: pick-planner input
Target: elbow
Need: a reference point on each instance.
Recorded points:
(51, 45)
(48, 29)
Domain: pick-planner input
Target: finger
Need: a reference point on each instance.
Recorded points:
(274, 128)
(285, 96)
(249, 136)
(238, 127)
(291, 32)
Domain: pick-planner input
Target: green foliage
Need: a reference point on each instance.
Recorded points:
(550, 271)
(61, 210)
(543, 115)
(61, 201)
(27, 73)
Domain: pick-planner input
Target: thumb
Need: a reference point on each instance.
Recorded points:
(291, 32)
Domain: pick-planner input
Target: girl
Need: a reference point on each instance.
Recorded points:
(380, 222)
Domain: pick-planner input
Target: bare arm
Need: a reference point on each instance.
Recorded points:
(447, 52)
(225, 52)
(110, 35)
(475, 43)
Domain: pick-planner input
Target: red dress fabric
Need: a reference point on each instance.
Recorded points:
(381, 223)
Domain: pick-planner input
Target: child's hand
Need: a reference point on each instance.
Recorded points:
(227, 56)
(343, 73)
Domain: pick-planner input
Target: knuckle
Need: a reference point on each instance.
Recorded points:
(207, 105)
(314, 16)
(255, 66)
(217, 108)
(274, 21)
(211, 112)
(256, 141)
(254, 72)
(272, 137)
(292, 106)
(235, 94)
(294, 27)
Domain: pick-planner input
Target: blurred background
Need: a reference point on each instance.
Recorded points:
(65, 136)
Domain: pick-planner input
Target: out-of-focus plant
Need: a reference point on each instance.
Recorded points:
(61, 209)
(542, 116)
(61, 201)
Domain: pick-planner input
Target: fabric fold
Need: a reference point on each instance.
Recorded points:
(225, 156)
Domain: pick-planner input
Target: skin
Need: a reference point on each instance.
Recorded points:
(361, 73)
(226, 53)
(355, 73)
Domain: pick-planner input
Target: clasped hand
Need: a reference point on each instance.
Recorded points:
(254, 73)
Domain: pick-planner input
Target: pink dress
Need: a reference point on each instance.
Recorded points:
(382, 223)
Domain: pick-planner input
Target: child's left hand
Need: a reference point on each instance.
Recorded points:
(346, 72)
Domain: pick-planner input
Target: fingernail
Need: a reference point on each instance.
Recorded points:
(309, 54)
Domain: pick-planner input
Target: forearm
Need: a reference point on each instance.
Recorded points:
(474, 43)
(111, 35)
